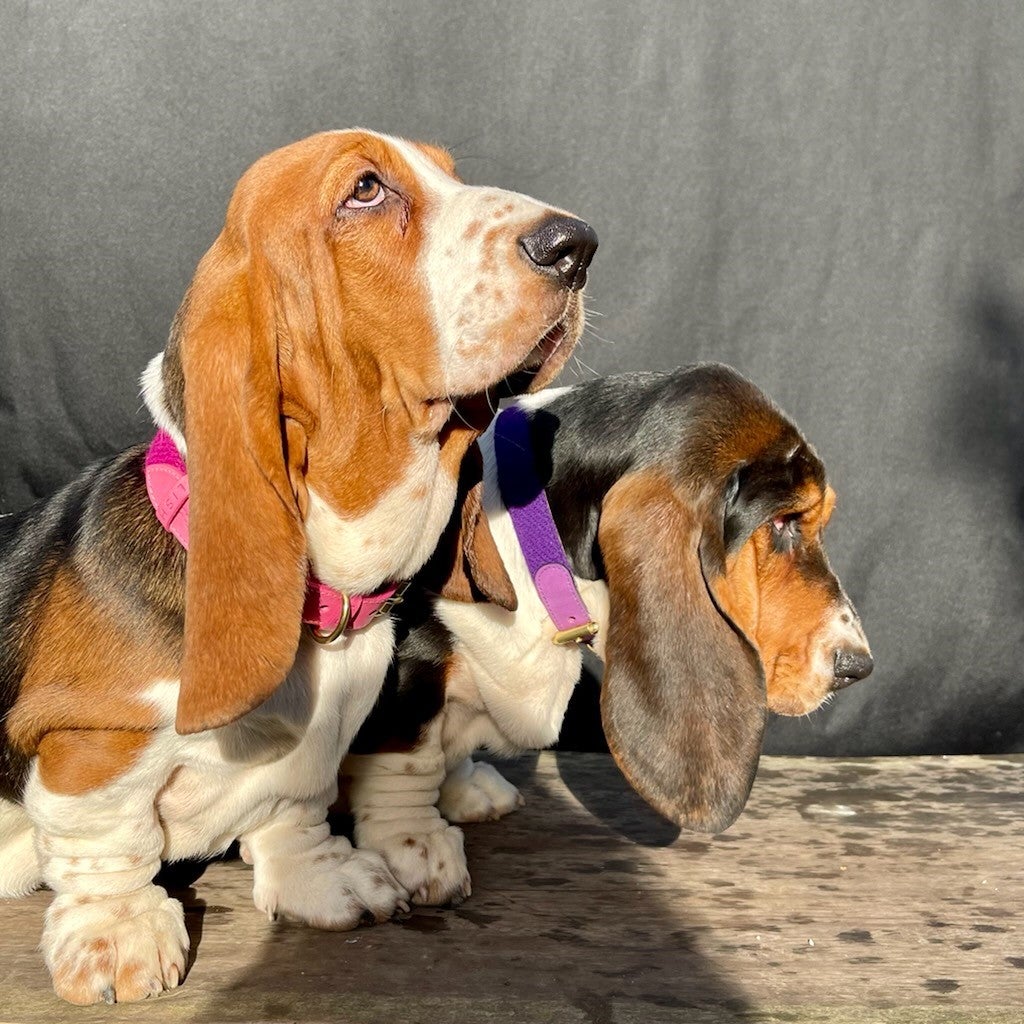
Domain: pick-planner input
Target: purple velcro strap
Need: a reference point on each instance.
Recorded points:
(527, 504)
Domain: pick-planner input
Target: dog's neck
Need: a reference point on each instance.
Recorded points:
(576, 471)
(403, 523)
(160, 399)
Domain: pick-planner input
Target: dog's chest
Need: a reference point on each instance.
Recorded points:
(392, 539)
(226, 782)
(520, 676)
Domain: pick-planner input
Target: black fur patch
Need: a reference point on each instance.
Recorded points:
(706, 426)
(414, 690)
(767, 486)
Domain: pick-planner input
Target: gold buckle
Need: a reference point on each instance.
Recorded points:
(346, 613)
(576, 635)
(394, 599)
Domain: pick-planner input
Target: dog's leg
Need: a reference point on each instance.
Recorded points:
(476, 791)
(110, 934)
(303, 873)
(19, 866)
(393, 798)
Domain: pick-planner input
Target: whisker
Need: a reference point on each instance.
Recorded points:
(589, 332)
(585, 366)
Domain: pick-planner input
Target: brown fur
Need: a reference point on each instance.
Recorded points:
(683, 698)
(782, 604)
(76, 761)
(80, 678)
(467, 565)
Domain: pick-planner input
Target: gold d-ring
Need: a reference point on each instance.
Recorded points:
(322, 637)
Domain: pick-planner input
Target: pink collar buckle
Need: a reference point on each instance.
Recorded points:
(327, 612)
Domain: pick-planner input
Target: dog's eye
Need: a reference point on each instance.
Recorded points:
(368, 192)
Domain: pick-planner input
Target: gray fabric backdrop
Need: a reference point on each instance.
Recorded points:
(827, 196)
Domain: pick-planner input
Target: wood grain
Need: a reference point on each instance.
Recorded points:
(877, 891)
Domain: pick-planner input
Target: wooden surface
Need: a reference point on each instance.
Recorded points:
(869, 891)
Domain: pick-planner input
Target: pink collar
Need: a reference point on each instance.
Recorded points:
(327, 612)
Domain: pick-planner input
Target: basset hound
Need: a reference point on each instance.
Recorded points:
(325, 374)
(691, 515)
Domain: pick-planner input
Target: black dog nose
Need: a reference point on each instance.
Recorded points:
(851, 666)
(561, 247)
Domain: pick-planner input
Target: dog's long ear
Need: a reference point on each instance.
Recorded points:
(683, 702)
(246, 566)
(467, 566)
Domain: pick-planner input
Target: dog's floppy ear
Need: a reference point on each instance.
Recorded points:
(472, 567)
(683, 701)
(246, 565)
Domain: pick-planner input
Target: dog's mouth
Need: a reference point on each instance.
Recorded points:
(536, 369)
(543, 362)
(549, 344)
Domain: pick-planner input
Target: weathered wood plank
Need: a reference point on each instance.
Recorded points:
(888, 891)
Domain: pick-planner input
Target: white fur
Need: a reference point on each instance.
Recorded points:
(390, 541)
(541, 399)
(19, 868)
(476, 791)
(152, 385)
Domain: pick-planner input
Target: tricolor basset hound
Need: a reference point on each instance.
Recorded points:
(692, 513)
(325, 375)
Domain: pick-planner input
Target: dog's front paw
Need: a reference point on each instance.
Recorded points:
(475, 791)
(431, 865)
(329, 886)
(115, 949)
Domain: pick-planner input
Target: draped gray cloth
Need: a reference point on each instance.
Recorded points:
(827, 196)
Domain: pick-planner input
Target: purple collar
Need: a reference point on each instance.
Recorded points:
(527, 504)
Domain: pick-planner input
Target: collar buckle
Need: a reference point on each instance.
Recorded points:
(395, 599)
(576, 635)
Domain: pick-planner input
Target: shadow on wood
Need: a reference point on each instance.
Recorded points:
(876, 891)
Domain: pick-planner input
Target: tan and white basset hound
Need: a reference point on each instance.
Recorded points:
(691, 512)
(325, 374)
